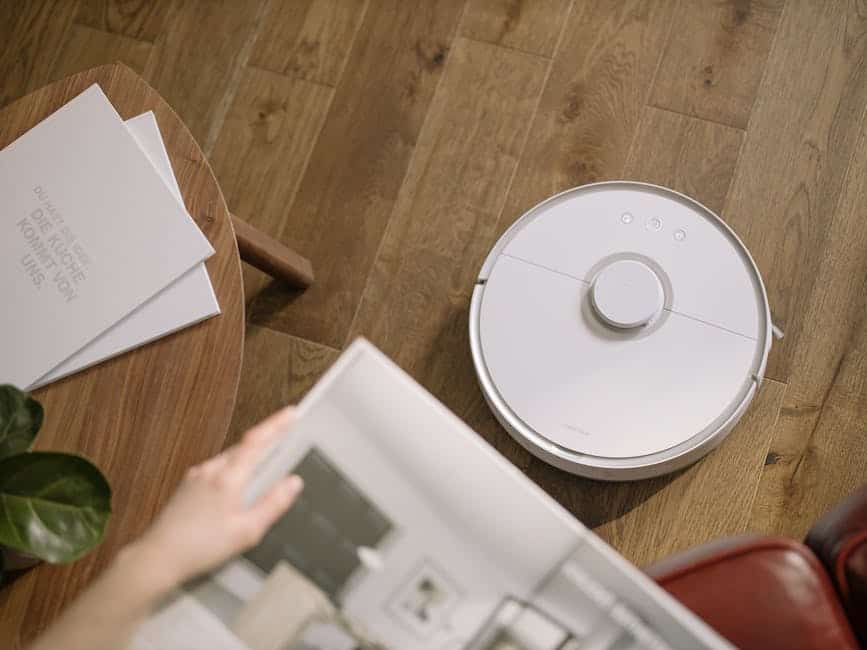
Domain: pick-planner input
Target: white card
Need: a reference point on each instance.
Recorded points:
(88, 232)
(187, 301)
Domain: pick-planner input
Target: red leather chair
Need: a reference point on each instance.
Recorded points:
(773, 592)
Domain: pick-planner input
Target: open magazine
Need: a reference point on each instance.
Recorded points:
(413, 534)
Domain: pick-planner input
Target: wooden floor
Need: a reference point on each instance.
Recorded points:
(393, 140)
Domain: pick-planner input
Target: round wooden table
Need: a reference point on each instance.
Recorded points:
(146, 416)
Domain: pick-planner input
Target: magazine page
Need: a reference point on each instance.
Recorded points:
(411, 534)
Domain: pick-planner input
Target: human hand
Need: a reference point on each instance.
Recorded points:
(205, 522)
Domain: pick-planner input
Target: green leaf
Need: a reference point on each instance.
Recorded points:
(52, 505)
(20, 419)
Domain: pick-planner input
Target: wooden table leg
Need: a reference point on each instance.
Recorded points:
(272, 257)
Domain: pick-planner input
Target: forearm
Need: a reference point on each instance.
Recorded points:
(107, 614)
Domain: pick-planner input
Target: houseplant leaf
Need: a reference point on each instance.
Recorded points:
(20, 420)
(52, 505)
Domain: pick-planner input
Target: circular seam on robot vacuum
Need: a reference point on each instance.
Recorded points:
(634, 397)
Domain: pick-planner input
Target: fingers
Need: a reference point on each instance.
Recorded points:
(274, 423)
(213, 465)
(275, 503)
(247, 454)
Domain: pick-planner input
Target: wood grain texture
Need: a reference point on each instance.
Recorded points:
(10, 11)
(817, 455)
(86, 48)
(691, 156)
(139, 19)
(528, 25)
(647, 520)
(125, 414)
(715, 58)
(834, 311)
(197, 60)
(801, 138)
(593, 100)
(444, 220)
(308, 39)
(356, 169)
(279, 371)
(262, 151)
(33, 33)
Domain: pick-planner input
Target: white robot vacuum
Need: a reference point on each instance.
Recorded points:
(619, 330)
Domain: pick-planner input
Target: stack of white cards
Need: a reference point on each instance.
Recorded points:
(98, 254)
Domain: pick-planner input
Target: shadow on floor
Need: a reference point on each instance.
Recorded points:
(595, 502)
(272, 299)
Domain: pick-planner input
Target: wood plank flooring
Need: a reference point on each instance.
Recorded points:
(393, 140)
